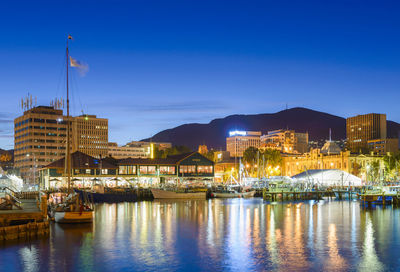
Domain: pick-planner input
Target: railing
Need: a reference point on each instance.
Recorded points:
(9, 198)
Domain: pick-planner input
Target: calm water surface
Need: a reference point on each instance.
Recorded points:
(215, 235)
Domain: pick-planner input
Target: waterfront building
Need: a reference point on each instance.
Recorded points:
(87, 170)
(383, 146)
(90, 135)
(128, 151)
(40, 138)
(287, 141)
(362, 128)
(239, 141)
(356, 164)
(221, 156)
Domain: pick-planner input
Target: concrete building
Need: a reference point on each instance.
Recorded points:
(362, 128)
(127, 151)
(383, 146)
(159, 145)
(40, 138)
(239, 141)
(287, 141)
(90, 135)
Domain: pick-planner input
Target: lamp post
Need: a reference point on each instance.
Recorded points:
(34, 166)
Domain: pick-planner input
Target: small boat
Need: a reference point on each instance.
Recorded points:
(74, 217)
(71, 210)
(165, 194)
(233, 194)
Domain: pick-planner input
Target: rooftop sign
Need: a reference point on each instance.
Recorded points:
(237, 133)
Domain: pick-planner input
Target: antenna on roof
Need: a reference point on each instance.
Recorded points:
(330, 135)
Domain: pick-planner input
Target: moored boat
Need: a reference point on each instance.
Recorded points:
(233, 194)
(165, 194)
(73, 217)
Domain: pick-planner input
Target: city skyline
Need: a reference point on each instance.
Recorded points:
(151, 70)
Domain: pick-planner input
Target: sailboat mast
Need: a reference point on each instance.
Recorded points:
(68, 159)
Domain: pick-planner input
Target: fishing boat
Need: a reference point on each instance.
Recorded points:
(379, 194)
(178, 194)
(73, 209)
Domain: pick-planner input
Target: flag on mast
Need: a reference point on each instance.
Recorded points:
(81, 67)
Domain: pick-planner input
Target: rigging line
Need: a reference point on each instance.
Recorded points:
(77, 92)
(61, 78)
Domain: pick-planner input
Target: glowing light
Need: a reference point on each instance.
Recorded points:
(237, 133)
(151, 151)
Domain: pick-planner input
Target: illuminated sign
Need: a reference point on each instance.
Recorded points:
(237, 133)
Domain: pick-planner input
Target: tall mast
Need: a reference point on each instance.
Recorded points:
(68, 155)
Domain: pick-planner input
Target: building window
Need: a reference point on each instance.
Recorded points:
(123, 170)
(167, 170)
(104, 171)
(147, 170)
(87, 171)
(187, 169)
(202, 169)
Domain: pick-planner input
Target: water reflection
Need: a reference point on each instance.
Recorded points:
(234, 235)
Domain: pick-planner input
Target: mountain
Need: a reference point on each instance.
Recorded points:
(214, 134)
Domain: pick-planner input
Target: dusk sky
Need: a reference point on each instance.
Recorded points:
(155, 65)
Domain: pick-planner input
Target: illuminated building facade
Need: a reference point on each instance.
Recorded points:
(287, 141)
(239, 141)
(87, 170)
(90, 135)
(362, 128)
(39, 138)
(355, 164)
(127, 151)
(383, 146)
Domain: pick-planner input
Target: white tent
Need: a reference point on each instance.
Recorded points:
(328, 177)
(11, 181)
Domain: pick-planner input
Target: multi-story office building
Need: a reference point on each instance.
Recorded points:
(239, 141)
(362, 128)
(127, 151)
(287, 141)
(39, 138)
(90, 135)
(383, 146)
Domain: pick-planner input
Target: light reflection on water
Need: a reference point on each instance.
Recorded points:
(233, 235)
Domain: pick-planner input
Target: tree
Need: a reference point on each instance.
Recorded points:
(210, 155)
(175, 150)
(250, 155)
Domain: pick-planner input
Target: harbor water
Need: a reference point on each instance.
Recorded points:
(218, 235)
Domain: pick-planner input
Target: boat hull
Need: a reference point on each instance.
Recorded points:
(73, 217)
(109, 197)
(234, 195)
(163, 194)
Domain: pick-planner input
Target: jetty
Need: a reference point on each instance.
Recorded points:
(23, 215)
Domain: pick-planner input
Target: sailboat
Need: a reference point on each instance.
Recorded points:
(73, 209)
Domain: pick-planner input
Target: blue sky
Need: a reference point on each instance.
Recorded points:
(158, 64)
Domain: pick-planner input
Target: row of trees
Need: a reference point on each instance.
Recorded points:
(259, 162)
(175, 150)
